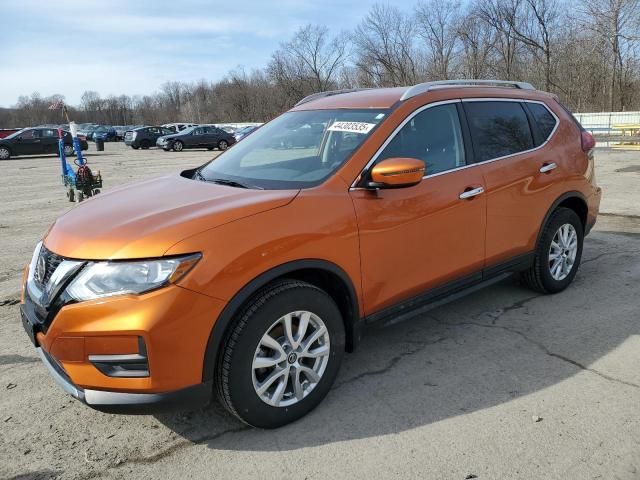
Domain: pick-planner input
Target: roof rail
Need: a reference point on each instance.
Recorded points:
(315, 96)
(425, 87)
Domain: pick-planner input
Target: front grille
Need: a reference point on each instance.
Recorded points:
(47, 264)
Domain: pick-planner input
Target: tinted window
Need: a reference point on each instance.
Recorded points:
(498, 129)
(28, 135)
(198, 131)
(544, 120)
(49, 133)
(433, 136)
(167, 131)
(153, 130)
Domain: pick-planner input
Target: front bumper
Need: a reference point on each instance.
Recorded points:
(121, 402)
(168, 329)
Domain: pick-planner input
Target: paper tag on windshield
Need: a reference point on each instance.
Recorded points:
(354, 127)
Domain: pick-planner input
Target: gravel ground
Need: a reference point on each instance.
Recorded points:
(501, 384)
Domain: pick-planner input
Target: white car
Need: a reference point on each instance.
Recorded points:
(178, 127)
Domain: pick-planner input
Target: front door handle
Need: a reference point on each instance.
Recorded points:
(547, 167)
(471, 193)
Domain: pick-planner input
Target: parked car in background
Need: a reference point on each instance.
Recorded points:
(144, 137)
(202, 136)
(5, 132)
(104, 132)
(244, 131)
(120, 131)
(36, 141)
(178, 127)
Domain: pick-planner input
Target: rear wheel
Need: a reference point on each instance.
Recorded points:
(135, 147)
(178, 146)
(282, 355)
(223, 145)
(558, 253)
(5, 154)
(145, 144)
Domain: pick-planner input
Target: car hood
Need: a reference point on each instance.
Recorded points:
(145, 219)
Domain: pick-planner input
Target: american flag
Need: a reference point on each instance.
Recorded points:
(57, 105)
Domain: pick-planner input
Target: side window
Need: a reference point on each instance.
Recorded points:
(433, 136)
(498, 129)
(29, 135)
(153, 131)
(543, 118)
(198, 131)
(167, 131)
(49, 133)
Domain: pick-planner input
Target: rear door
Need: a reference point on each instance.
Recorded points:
(49, 140)
(417, 238)
(519, 188)
(198, 138)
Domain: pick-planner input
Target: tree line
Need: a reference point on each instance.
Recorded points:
(585, 51)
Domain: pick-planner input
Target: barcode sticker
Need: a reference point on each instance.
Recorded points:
(354, 127)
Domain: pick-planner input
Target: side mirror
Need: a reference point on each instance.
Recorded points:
(397, 173)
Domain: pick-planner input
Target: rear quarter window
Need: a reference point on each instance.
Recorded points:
(498, 129)
(545, 121)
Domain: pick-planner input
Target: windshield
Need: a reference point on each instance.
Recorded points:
(296, 150)
(15, 134)
(187, 130)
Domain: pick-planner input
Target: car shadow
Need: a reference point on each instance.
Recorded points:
(491, 347)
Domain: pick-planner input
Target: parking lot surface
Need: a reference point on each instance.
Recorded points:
(503, 383)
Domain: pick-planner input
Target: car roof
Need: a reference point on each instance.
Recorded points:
(388, 97)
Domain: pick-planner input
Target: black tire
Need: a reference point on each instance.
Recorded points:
(166, 149)
(5, 153)
(223, 145)
(234, 378)
(135, 147)
(539, 277)
(177, 146)
(71, 195)
(145, 144)
(209, 148)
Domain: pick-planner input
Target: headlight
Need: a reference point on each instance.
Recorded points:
(106, 279)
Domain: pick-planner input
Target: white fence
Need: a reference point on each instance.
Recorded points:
(603, 122)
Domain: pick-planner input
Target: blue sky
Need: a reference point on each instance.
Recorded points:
(133, 46)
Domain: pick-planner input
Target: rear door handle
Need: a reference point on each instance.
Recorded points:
(547, 167)
(471, 193)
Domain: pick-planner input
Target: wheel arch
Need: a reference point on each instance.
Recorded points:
(573, 200)
(321, 273)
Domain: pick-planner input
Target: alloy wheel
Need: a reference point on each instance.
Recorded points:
(290, 359)
(563, 251)
(4, 153)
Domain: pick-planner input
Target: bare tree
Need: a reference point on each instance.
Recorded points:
(386, 54)
(437, 23)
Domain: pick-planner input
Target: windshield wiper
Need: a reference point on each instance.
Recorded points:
(232, 183)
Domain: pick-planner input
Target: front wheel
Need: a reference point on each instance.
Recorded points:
(223, 145)
(135, 147)
(178, 146)
(558, 253)
(282, 355)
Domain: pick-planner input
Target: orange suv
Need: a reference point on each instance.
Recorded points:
(251, 276)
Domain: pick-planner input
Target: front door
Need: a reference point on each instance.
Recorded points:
(28, 143)
(416, 238)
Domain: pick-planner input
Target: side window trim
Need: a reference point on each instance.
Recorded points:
(520, 100)
(470, 158)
